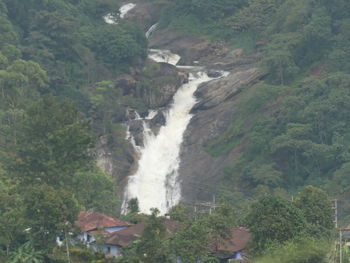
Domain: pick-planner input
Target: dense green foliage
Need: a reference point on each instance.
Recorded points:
(274, 219)
(316, 207)
(304, 250)
(192, 241)
(58, 64)
(293, 127)
(291, 231)
(52, 53)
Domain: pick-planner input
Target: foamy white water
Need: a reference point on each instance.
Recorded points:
(151, 30)
(155, 183)
(110, 19)
(164, 56)
(123, 10)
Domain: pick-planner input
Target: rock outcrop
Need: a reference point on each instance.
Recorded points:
(160, 88)
(145, 13)
(155, 84)
(201, 173)
(213, 93)
(157, 122)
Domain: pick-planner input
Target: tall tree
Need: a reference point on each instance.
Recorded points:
(151, 247)
(316, 206)
(48, 212)
(273, 219)
(53, 144)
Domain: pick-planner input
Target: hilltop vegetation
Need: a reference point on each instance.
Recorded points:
(298, 116)
(52, 56)
(58, 64)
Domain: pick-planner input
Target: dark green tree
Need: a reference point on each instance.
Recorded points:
(273, 219)
(48, 212)
(316, 207)
(12, 223)
(54, 144)
(96, 191)
(26, 254)
(133, 206)
(152, 246)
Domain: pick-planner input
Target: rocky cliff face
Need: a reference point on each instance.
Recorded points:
(155, 84)
(200, 173)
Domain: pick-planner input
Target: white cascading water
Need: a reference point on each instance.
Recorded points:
(165, 56)
(155, 184)
(123, 10)
(151, 30)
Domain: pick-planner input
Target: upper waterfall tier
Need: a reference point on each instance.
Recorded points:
(123, 10)
(164, 56)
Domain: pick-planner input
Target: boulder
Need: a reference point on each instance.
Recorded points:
(136, 126)
(214, 73)
(215, 92)
(157, 122)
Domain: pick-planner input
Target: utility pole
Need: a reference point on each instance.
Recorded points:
(67, 243)
(207, 205)
(340, 248)
(335, 212)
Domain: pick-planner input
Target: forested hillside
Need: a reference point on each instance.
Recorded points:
(53, 55)
(68, 79)
(294, 125)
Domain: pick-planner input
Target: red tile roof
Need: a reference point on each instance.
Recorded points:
(128, 235)
(89, 220)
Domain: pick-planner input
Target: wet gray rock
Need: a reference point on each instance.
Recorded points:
(116, 165)
(135, 126)
(157, 122)
(215, 92)
(138, 137)
(201, 173)
(145, 13)
(136, 130)
(214, 73)
(159, 119)
(161, 86)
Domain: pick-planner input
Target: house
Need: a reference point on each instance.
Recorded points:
(115, 242)
(344, 234)
(225, 250)
(94, 224)
(232, 248)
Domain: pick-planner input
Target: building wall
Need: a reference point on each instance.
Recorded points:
(84, 237)
(114, 229)
(115, 251)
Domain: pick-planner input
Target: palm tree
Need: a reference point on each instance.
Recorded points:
(26, 254)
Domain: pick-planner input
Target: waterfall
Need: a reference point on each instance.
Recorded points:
(123, 10)
(164, 56)
(155, 183)
(151, 30)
